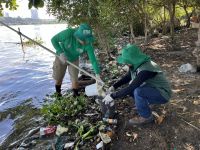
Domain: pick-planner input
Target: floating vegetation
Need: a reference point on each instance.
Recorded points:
(31, 43)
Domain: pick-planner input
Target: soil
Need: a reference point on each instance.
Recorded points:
(180, 129)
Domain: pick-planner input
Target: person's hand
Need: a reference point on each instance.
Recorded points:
(62, 58)
(108, 100)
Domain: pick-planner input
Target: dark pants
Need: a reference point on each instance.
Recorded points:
(144, 96)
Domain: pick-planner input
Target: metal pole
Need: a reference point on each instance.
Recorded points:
(87, 73)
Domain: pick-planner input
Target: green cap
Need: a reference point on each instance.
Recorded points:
(131, 54)
(84, 33)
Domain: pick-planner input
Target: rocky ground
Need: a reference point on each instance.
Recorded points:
(180, 128)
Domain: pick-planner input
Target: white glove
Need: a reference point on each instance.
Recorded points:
(111, 89)
(108, 100)
(62, 58)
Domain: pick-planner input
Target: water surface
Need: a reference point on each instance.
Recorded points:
(25, 75)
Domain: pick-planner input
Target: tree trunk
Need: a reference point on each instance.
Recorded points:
(145, 29)
(102, 39)
(164, 23)
(132, 39)
(145, 24)
(188, 16)
(171, 9)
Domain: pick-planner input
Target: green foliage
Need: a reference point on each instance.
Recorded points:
(11, 4)
(36, 3)
(63, 108)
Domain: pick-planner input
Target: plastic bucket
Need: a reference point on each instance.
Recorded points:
(91, 90)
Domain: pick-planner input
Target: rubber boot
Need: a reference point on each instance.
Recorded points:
(75, 92)
(58, 90)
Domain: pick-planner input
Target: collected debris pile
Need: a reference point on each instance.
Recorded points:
(71, 123)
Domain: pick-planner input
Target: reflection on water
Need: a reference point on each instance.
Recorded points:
(6, 127)
(26, 76)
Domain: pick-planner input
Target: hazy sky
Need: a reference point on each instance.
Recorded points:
(24, 12)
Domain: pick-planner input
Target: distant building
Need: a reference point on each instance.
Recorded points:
(34, 13)
(6, 14)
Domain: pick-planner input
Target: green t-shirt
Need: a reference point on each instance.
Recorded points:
(65, 42)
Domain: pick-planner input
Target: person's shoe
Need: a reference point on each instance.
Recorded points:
(140, 120)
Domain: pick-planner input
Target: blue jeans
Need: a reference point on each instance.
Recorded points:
(144, 96)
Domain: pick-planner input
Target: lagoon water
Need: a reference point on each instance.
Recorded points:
(25, 75)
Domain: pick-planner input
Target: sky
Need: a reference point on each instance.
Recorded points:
(24, 12)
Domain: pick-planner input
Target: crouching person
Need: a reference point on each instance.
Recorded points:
(147, 84)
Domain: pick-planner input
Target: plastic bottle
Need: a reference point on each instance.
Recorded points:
(110, 121)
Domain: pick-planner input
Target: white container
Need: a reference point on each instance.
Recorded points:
(91, 90)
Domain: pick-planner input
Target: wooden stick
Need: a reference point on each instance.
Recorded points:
(21, 39)
(190, 124)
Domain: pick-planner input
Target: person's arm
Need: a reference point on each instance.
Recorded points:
(140, 78)
(59, 38)
(125, 79)
(92, 58)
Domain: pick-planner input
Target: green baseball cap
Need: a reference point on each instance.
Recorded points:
(131, 54)
(84, 33)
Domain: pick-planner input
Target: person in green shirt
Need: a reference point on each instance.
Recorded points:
(147, 84)
(69, 45)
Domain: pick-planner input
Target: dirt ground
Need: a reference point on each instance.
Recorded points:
(176, 131)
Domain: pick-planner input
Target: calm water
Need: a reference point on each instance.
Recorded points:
(24, 76)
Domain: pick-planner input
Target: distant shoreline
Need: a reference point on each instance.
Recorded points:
(28, 21)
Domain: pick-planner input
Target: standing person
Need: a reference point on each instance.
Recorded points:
(69, 45)
(147, 84)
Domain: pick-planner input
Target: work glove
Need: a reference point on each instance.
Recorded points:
(108, 100)
(111, 89)
(62, 58)
(99, 86)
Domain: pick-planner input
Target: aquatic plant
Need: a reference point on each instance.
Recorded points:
(63, 109)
